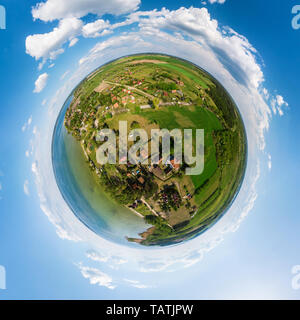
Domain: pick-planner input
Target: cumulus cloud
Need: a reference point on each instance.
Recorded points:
(266, 93)
(277, 104)
(95, 29)
(41, 83)
(233, 50)
(95, 276)
(60, 9)
(48, 45)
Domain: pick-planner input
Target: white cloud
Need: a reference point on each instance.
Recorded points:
(95, 276)
(48, 45)
(61, 9)
(232, 50)
(273, 105)
(114, 261)
(29, 121)
(137, 284)
(27, 124)
(95, 29)
(126, 41)
(216, 1)
(64, 75)
(41, 82)
(280, 101)
(54, 54)
(269, 162)
(95, 256)
(266, 93)
(73, 42)
(277, 104)
(26, 188)
(34, 130)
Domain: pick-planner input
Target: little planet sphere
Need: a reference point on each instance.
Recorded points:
(146, 202)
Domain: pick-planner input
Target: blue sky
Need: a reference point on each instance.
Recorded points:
(256, 260)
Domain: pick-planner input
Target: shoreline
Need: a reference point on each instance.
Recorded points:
(137, 213)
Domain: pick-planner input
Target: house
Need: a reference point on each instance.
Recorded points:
(141, 180)
(158, 172)
(135, 187)
(146, 106)
(116, 105)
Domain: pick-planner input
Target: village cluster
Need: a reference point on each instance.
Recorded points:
(153, 93)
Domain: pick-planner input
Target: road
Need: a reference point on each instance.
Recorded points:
(133, 89)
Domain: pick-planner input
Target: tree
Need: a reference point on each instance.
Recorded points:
(156, 103)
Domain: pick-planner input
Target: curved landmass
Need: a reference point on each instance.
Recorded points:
(158, 91)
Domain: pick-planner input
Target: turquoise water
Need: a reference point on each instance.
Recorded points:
(81, 191)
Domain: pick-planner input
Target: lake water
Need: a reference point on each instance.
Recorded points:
(84, 195)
